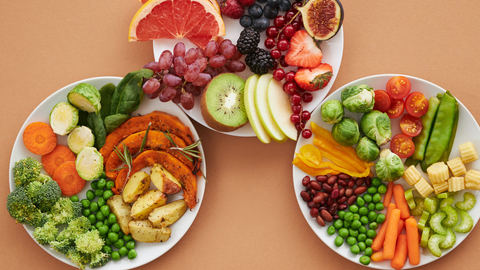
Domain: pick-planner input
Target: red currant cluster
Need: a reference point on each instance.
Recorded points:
(299, 116)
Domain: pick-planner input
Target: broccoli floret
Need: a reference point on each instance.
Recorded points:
(62, 246)
(90, 242)
(75, 228)
(21, 208)
(99, 259)
(78, 258)
(45, 234)
(44, 194)
(26, 170)
(64, 211)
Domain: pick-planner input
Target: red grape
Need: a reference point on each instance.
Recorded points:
(272, 32)
(296, 109)
(211, 49)
(289, 30)
(295, 118)
(150, 86)
(223, 69)
(195, 90)
(200, 52)
(279, 21)
(306, 133)
(152, 66)
(269, 43)
(179, 50)
(278, 74)
(192, 72)
(165, 60)
(191, 55)
(176, 99)
(154, 94)
(187, 100)
(211, 71)
(237, 55)
(229, 51)
(282, 44)
(223, 45)
(307, 97)
(167, 94)
(275, 53)
(172, 80)
(290, 76)
(202, 79)
(296, 99)
(290, 87)
(202, 63)
(180, 65)
(236, 66)
(217, 60)
(305, 115)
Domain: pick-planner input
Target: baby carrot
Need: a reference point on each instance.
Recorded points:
(400, 257)
(377, 256)
(412, 241)
(391, 234)
(380, 238)
(399, 195)
(400, 226)
(388, 195)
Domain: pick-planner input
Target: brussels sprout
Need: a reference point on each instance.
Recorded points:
(332, 111)
(367, 149)
(63, 118)
(389, 166)
(358, 98)
(377, 126)
(79, 138)
(89, 164)
(85, 97)
(346, 132)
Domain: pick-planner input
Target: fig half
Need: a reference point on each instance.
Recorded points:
(322, 18)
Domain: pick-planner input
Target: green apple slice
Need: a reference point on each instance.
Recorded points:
(253, 118)
(263, 111)
(280, 109)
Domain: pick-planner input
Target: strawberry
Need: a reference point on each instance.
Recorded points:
(232, 8)
(313, 79)
(303, 51)
(247, 3)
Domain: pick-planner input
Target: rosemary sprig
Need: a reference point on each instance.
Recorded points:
(188, 150)
(126, 157)
(144, 141)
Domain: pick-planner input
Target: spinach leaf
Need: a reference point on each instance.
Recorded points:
(128, 93)
(114, 121)
(106, 93)
(95, 123)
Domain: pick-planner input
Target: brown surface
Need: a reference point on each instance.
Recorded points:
(249, 218)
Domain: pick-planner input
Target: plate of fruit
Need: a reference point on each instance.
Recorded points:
(102, 176)
(300, 44)
(386, 180)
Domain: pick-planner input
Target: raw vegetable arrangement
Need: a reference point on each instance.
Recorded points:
(424, 208)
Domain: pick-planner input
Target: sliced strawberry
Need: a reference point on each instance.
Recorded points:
(303, 51)
(313, 79)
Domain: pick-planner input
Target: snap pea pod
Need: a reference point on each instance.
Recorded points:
(442, 129)
(410, 161)
(446, 154)
(421, 140)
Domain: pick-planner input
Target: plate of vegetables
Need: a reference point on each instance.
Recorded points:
(386, 169)
(100, 218)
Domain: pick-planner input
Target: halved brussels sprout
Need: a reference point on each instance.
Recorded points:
(367, 149)
(346, 132)
(79, 138)
(89, 164)
(63, 118)
(377, 126)
(389, 166)
(85, 97)
(358, 98)
(332, 111)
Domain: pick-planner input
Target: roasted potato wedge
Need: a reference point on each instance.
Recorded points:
(121, 211)
(147, 202)
(143, 231)
(164, 180)
(136, 186)
(168, 214)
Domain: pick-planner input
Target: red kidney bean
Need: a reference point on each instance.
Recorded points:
(335, 217)
(322, 208)
(323, 202)
(333, 208)
(327, 187)
(341, 192)
(330, 201)
(326, 215)
(349, 192)
(314, 212)
(305, 196)
(342, 182)
(315, 185)
(344, 176)
(359, 181)
(313, 193)
(308, 187)
(351, 183)
(320, 221)
(321, 178)
(360, 190)
(326, 194)
(319, 197)
(306, 180)
(351, 200)
(342, 206)
(368, 181)
(317, 205)
(332, 179)
(335, 186)
(311, 204)
(342, 199)
(334, 193)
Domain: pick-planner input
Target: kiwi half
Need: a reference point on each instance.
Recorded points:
(222, 104)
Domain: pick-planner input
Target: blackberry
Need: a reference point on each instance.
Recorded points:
(248, 41)
(259, 61)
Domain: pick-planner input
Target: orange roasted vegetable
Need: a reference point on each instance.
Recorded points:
(172, 164)
(156, 140)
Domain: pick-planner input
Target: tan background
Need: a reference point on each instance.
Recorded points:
(249, 218)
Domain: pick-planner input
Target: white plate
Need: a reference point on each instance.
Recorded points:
(332, 54)
(466, 122)
(147, 252)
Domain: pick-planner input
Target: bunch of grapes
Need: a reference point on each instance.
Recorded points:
(182, 75)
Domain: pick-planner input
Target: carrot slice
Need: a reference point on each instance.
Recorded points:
(412, 241)
(401, 250)
(57, 157)
(391, 234)
(68, 179)
(39, 138)
(388, 196)
(399, 195)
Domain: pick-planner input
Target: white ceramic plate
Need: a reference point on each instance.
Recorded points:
(147, 252)
(332, 54)
(466, 122)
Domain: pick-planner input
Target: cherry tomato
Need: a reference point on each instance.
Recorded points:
(416, 104)
(402, 145)
(396, 109)
(382, 101)
(398, 87)
(411, 125)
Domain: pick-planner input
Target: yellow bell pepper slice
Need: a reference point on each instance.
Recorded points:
(312, 171)
(312, 153)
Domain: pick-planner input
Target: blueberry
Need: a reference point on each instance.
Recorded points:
(284, 5)
(255, 11)
(246, 21)
(270, 12)
(261, 24)
(273, 3)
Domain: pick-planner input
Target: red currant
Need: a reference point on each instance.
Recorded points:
(289, 15)
(305, 115)
(275, 65)
(299, 126)
(307, 97)
(272, 32)
(289, 30)
(275, 53)
(282, 36)
(278, 74)
(296, 99)
(296, 25)
(282, 45)
(290, 76)
(295, 118)
(282, 61)
(279, 21)
(290, 88)
(270, 43)
(295, 5)
(296, 109)
(306, 133)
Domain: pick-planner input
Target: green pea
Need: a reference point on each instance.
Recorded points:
(379, 206)
(113, 237)
(382, 189)
(368, 251)
(356, 224)
(369, 242)
(74, 198)
(362, 246)
(365, 260)
(92, 219)
(362, 229)
(377, 198)
(360, 201)
(132, 254)
(116, 256)
(364, 220)
(338, 241)
(129, 238)
(110, 184)
(376, 181)
(107, 194)
(94, 185)
(101, 183)
(371, 233)
(98, 224)
(112, 219)
(355, 249)
(90, 195)
(347, 224)
(341, 214)
(367, 198)
(353, 232)
(103, 229)
(372, 190)
(86, 212)
(103, 175)
(363, 211)
(107, 249)
(380, 218)
(120, 234)
(373, 225)
(356, 216)
(99, 192)
(351, 240)
(371, 206)
(338, 223)
(105, 210)
(101, 202)
(349, 216)
(120, 243)
(353, 208)
(130, 244)
(92, 227)
(85, 203)
(123, 251)
(362, 237)
(108, 242)
(343, 232)
(100, 216)
(115, 228)
(372, 216)
(94, 207)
